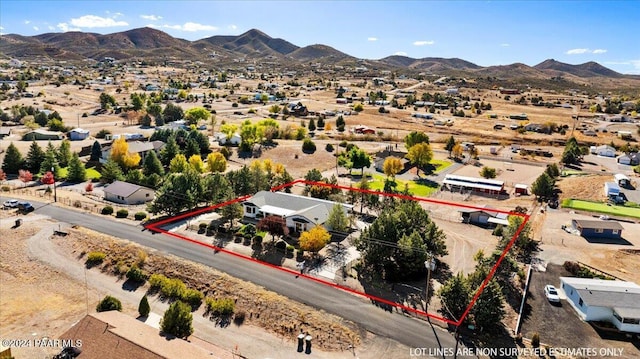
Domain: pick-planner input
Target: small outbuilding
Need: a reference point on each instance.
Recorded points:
(128, 193)
(521, 189)
(611, 189)
(598, 229)
(631, 159)
(605, 151)
(42, 135)
(78, 134)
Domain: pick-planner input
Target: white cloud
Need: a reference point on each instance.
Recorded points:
(372, 39)
(151, 17)
(505, 45)
(51, 28)
(65, 27)
(27, 22)
(190, 27)
(1, 28)
(36, 28)
(400, 53)
(91, 21)
(117, 14)
(232, 27)
(422, 43)
(599, 51)
(577, 51)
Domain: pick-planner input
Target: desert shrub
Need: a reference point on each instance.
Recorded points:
(107, 210)
(498, 231)
(257, 239)
(6, 188)
(139, 216)
(94, 258)
(122, 213)
(220, 307)
(239, 317)
(226, 152)
(571, 267)
(136, 274)
(109, 303)
(343, 144)
(103, 133)
(535, 340)
(202, 226)
(235, 104)
(192, 296)
(281, 245)
(308, 146)
(329, 147)
(77, 204)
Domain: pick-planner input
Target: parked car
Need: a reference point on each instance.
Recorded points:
(25, 207)
(551, 293)
(12, 203)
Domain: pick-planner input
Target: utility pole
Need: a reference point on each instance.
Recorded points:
(430, 264)
(55, 193)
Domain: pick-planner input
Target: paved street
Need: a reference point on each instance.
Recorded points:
(408, 331)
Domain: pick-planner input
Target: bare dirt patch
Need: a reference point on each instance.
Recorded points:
(583, 187)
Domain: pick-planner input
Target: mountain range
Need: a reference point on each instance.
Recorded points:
(149, 43)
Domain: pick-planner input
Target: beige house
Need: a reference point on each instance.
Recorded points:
(128, 193)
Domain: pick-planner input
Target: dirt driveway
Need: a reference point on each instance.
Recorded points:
(558, 325)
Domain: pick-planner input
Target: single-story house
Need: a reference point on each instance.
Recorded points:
(235, 139)
(39, 134)
(622, 180)
(613, 301)
(381, 156)
(606, 151)
(611, 189)
(484, 216)
(128, 193)
(4, 132)
(631, 159)
(300, 212)
(78, 134)
(361, 129)
(483, 185)
(598, 229)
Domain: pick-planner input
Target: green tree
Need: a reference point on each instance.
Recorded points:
(572, 153)
(420, 155)
(337, 219)
(553, 171)
(77, 172)
(144, 308)
(451, 142)
(107, 101)
(50, 161)
(109, 303)
(359, 159)
(179, 192)
(488, 172)
(524, 244)
(192, 148)
(177, 320)
(169, 151)
(96, 151)
(137, 101)
(415, 138)
(152, 165)
(64, 153)
(312, 125)
(455, 296)
(196, 114)
(488, 310)
(111, 172)
(172, 113)
(13, 161)
(35, 156)
(231, 212)
(543, 187)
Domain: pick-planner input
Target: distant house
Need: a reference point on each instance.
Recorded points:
(519, 116)
(363, 130)
(113, 334)
(223, 140)
(381, 156)
(128, 193)
(301, 213)
(78, 134)
(606, 151)
(484, 216)
(613, 301)
(632, 159)
(598, 229)
(509, 91)
(39, 135)
(299, 110)
(452, 91)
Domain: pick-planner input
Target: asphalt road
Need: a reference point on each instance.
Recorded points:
(408, 331)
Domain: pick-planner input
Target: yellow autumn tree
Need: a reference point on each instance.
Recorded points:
(121, 155)
(314, 239)
(216, 162)
(178, 164)
(196, 163)
(391, 166)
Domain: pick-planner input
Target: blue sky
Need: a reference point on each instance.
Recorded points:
(483, 32)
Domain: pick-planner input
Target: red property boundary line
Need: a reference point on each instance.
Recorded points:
(155, 227)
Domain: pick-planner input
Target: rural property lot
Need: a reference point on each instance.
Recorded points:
(156, 227)
(558, 325)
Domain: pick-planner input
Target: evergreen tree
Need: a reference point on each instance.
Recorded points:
(144, 308)
(455, 295)
(111, 171)
(152, 165)
(543, 186)
(13, 161)
(169, 151)
(451, 142)
(64, 153)
(77, 171)
(192, 148)
(488, 310)
(96, 151)
(572, 152)
(177, 320)
(50, 161)
(34, 157)
(312, 125)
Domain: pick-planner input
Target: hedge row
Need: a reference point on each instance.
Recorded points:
(175, 289)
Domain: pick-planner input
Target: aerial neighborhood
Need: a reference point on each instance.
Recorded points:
(252, 198)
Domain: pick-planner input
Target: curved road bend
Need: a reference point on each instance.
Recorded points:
(408, 331)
